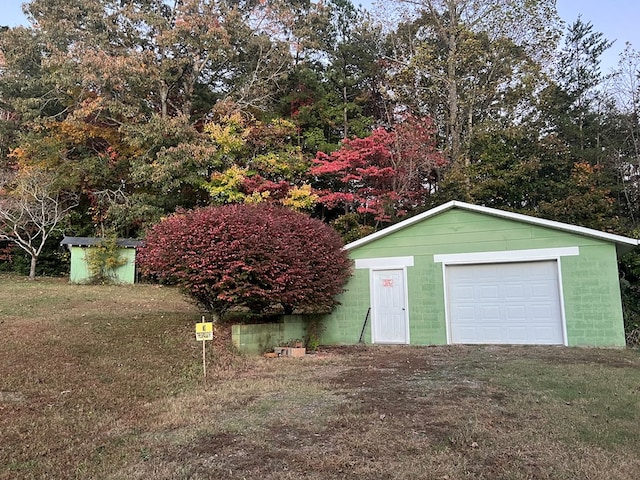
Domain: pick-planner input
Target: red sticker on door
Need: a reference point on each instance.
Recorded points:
(387, 282)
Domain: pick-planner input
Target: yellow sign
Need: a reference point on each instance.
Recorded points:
(204, 331)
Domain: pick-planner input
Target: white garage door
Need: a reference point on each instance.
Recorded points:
(508, 303)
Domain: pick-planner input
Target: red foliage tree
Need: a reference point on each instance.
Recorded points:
(259, 257)
(386, 174)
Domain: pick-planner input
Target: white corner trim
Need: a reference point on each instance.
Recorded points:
(384, 262)
(563, 314)
(506, 256)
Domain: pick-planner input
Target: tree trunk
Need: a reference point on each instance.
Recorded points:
(345, 113)
(452, 82)
(164, 96)
(32, 269)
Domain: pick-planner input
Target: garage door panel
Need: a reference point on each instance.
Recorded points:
(465, 292)
(491, 335)
(514, 292)
(516, 334)
(509, 303)
(546, 334)
(541, 291)
(468, 333)
(516, 313)
(490, 292)
(490, 312)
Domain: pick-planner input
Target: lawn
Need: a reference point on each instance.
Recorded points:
(106, 382)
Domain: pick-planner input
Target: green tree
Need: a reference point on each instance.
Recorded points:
(333, 88)
(579, 80)
(353, 66)
(584, 200)
(467, 62)
(512, 169)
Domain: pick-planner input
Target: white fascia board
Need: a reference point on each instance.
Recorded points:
(506, 256)
(384, 263)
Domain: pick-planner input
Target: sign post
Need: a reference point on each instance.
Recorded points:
(204, 332)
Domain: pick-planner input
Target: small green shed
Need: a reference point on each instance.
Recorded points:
(467, 274)
(78, 247)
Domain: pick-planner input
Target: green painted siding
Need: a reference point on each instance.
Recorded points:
(592, 297)
(589, 281)
(255, 339)
(80, 270)
(344, 325)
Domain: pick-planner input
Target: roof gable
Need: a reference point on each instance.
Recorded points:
(623, 244)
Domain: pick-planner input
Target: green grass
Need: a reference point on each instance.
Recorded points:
(106, 383)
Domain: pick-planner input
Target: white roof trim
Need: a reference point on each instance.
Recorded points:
(589, 232)
(382, 263)
(505, 256)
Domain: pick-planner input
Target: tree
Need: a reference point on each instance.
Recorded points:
(31, 208)
(512, 169)
(624, 153)
(114, 95)
(464, 61)
(385, 175)
(333, 85)
(353, 66)
(579, 80)
(583, 200)
(257, 161)
(259, 258)
(5, 253)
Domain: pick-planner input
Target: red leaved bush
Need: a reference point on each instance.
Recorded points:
(260, 257)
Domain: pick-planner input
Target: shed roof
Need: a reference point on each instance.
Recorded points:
(89, 241)
(623, 244)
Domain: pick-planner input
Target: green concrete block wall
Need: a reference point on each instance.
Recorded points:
(590, 281)
(345, 324)
(257, 338)
(592, 297)
(425, 290)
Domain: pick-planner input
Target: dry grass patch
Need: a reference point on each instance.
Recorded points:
(105, 383)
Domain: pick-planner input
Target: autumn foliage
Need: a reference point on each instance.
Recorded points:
(385, 175)
(262, 257)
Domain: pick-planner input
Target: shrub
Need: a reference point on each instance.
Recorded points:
(258, 257)
(103, 259)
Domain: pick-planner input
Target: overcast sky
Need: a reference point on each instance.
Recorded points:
(618, 20)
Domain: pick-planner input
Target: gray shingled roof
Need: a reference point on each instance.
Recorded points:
(88, 241)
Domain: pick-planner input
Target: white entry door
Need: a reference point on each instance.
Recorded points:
(389, 316)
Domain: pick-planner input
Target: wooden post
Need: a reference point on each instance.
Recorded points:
(204, 359)
(204, 332)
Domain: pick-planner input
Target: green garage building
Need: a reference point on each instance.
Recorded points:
(467, 274)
